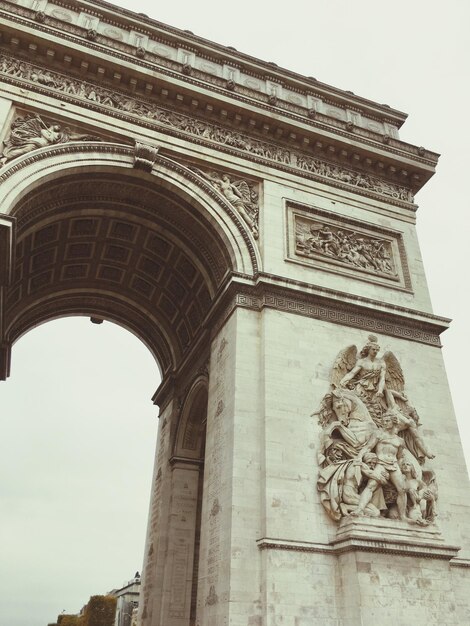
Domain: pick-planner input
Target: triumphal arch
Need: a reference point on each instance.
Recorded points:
(256, 230)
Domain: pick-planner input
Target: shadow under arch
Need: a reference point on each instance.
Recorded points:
(189, 440)
(188, 464)
(78, 428)
(95, 236)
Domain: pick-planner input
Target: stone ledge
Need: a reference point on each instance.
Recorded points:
(390, 537)
(460, 562)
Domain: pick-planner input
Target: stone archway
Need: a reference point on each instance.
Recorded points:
(95, 236)
(151, 251)
(259, 163)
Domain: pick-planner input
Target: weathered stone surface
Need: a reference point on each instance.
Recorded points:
(145, 191)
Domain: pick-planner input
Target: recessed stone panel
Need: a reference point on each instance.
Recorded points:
(110, 273)
(43, 259)
(158, 246)
(79, 251)
(75, 271)
(329, 242)
(83, 227)
(47, 234)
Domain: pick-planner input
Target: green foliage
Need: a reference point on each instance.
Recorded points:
(99, 611)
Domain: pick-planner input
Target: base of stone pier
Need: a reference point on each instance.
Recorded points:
(376, 572)
(394, 573)
(391, 536)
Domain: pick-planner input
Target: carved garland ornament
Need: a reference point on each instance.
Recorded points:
(372, 454)
(202, 130)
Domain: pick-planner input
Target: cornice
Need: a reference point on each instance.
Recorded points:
(146, 113)
(139, 22)
(458, 562)
(347, 129)
(275, 292)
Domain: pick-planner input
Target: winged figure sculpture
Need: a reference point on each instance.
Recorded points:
(30, 132)
(371, 444)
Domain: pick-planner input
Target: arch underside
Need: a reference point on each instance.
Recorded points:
(118, 246)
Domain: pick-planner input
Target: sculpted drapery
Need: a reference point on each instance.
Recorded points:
(372, 456)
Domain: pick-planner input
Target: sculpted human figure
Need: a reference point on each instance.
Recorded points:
(239, 196)
(420, 495)
(389, 448)
(373, 383)
(368, 373)
(28, 135)
(370, 472)
(371, 452)
(31, 132)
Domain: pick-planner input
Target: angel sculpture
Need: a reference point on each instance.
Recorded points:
(369, 433)
(240, 196)
(31, 132)
(380, 383)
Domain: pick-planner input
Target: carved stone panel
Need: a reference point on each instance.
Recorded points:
(373, 461)
(344, 245)
(242, 194)
(30, 131)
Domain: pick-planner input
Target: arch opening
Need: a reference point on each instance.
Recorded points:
(147, 251)
(143, 251)
(77, 466)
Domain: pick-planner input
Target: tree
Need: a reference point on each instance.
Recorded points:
(99, 611)
(69, 620)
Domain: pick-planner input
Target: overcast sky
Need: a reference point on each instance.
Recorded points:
(78, 426)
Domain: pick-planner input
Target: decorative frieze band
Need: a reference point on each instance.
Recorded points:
(396, 323)
(148, 113)
(314, 101)
(338, 315)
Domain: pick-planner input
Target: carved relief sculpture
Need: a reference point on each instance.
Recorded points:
(315, 239)
(96, 95)
(241, 195)
(372, 454)
(31, 132)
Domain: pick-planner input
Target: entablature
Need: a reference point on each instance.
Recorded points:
(212, 82)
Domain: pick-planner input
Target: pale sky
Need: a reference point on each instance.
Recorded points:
(78, 425)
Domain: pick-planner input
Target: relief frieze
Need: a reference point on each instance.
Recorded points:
(31, 131)
(316, 240)
(327, 241)
(203, 131)
(242, 194)
(353, 178)
(372, 456)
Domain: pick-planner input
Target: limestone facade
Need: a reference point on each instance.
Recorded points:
(248, 224)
